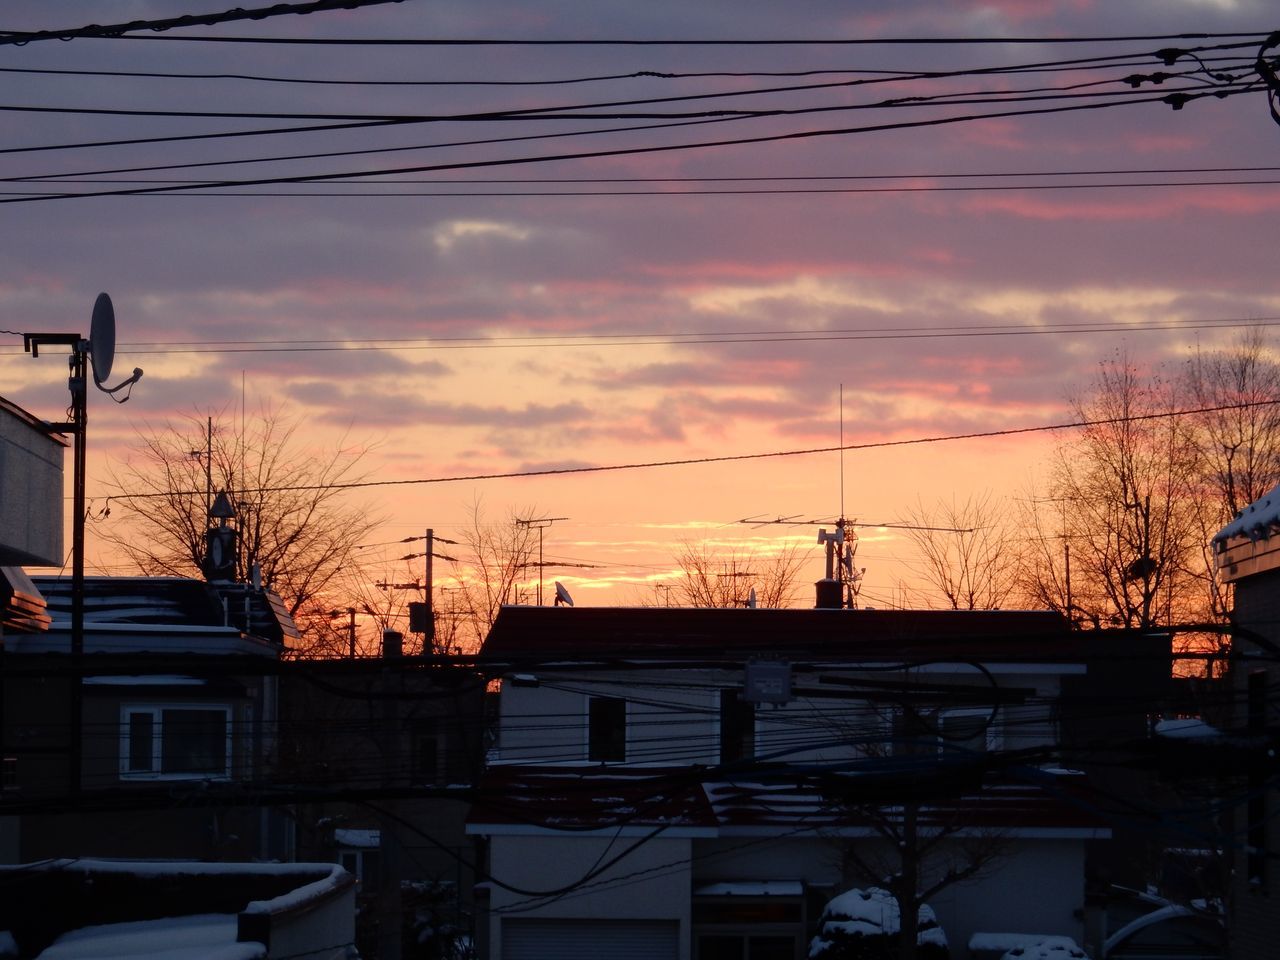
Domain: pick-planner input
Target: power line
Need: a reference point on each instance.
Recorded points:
(118, 31)
(561, 341)
(1260, 35)
(362, 194)
(1182, 99)
(1135, 80)
(690, 461)
(90, 176)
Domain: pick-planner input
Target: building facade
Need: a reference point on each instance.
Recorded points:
(698, 783)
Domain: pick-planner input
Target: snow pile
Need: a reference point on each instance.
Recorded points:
(201, 937)
(1047, 948)
(866, 923)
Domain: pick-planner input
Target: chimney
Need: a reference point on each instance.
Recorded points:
(392, 644)
(828, 594)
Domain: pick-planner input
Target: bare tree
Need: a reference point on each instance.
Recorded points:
(1126, 487)
(924, 849)
(926, 840)
(1237, 436)
(495, 561)
(970, 555)
(726, 578)
(296, 523)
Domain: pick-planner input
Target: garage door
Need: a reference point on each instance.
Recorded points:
(524, 939)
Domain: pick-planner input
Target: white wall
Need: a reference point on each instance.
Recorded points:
(652, 882)
(31, 505)
(673, 715)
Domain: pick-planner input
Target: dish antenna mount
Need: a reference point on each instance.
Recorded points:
(562, 595)
(102, 348)
(99, 351)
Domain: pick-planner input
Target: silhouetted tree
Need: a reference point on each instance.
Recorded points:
(296, 523)
(726, 578)
(970, 555)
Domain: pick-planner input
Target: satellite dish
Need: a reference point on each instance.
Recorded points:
(562, 595)
(102, 338)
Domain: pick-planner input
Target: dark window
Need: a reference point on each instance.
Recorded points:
(193, 742)
(737, 727)
(175, 742)
(141, 758)
(607, 730)
(425, 743)
(364, 865)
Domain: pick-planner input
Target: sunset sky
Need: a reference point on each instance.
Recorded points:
(607, 281)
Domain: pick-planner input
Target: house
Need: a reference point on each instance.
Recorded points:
(697, 783)
(1247, 555)
(177, 698)
(384, 752)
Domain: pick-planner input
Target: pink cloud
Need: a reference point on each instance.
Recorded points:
(1029, 11)
(1167, 202)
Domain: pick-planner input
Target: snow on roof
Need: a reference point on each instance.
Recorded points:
(1257, 517)
(355, 837)
(210, 936)
(752, 888)
(1047, 948)
(1186, 728)
(149, 680)
(1167, 912)
(985, 942)
(169, 868)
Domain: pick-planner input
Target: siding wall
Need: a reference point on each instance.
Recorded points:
(1255, 920)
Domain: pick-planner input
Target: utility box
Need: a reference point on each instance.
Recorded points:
(767, 681)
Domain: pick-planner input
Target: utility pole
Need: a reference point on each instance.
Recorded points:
(422, 616)
(389, 902)
(351, 628)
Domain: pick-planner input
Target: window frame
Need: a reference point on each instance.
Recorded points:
(156, 711)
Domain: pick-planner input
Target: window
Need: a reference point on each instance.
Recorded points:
(606, 729)
(364, 865)
(175, 742)
(426, 756)
(737, 727)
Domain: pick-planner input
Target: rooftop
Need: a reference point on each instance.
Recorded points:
(691, 633)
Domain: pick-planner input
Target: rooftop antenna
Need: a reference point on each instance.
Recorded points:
(842, 451)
